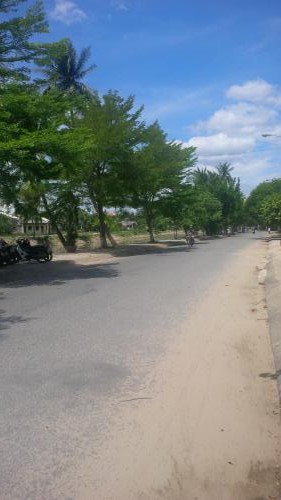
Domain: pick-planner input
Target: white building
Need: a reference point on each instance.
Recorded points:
(34, 228)
(30, 227)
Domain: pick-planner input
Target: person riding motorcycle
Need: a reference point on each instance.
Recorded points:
(190, 236)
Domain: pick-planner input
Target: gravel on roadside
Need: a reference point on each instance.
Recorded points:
(273, 297)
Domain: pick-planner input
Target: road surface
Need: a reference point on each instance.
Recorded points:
(112, 377)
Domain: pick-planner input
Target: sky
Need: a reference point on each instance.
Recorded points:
(207, 70)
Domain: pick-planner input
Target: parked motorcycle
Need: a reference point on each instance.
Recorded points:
(8, 253)
(26, 251)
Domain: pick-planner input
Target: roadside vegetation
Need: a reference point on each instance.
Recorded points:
(74, 156)
(263, 206)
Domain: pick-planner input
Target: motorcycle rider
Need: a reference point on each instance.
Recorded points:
(189, 236)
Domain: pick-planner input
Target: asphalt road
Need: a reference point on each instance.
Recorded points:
(75, 339)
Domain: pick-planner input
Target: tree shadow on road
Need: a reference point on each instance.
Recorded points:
(62, 271)
(157, 248)
(7, 321)
(53, 273)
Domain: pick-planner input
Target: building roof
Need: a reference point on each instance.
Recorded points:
(10, 216)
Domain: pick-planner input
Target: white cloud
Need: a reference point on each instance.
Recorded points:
(67, 12)
(254, 90)
(241, 119)
(257, 91)
(233, 133)
(120, 4)
(221, 144)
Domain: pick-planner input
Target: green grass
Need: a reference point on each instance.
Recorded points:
(91, 241)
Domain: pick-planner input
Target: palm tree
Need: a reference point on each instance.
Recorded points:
(201, 176)
(224, 170)
(65, 69)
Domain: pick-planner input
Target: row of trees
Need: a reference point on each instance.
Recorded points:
(263, 206)
(63, 147)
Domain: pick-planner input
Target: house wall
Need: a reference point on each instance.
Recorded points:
(34, 229)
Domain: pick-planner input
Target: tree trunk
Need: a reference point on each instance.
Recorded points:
(71, 228)
(104, 230)
(102, 223)
(55, 226)
(110, 237)
(148, 217)
(70, 244)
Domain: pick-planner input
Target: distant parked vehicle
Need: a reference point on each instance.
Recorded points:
(42, 253)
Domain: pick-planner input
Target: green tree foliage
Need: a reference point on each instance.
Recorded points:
(63, 208)
(64, 71)
(28, 201)
(30, 133)
(63, 146)
(86, 220)
(189, 206)
(224, 170)
(34, 149)
(205, 212)
(270, 210)
(16, 48)
(224, 188)
(176, 205)
(256, 198)
(105, 172)
(159, 169)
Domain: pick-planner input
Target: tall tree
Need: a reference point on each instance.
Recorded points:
(61, 201)
(64, 69)
(160, 167)
(16, 32)
(106, 171)
(191, 206)
(270, 210)
(34, 150)
(257, 196)
(224, 170)
(226, 189)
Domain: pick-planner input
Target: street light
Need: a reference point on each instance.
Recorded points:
(270, 135)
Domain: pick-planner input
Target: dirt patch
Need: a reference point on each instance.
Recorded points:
(83, 257)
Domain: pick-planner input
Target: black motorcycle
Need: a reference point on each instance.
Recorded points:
(8, 253)
(42, 253)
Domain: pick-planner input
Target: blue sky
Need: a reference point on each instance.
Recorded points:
(207, 70)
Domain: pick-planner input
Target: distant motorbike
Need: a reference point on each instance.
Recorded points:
(189, 237)
(26, 251)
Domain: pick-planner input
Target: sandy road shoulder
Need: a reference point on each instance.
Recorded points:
(84, 258)
(273, 296)
(209, 426)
